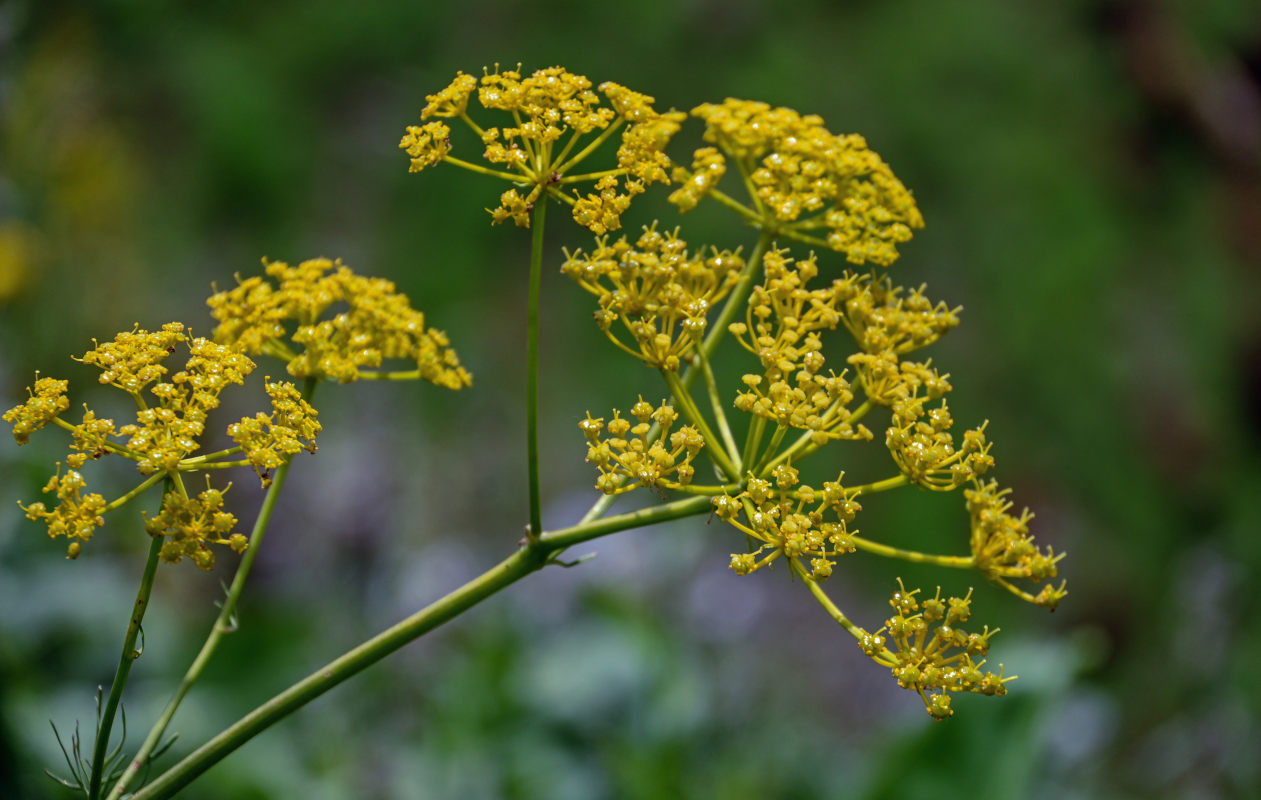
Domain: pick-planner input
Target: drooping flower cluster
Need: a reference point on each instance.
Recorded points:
(661, 294)
(367, 322)
(927, 652)
(781, 327)
(269, 440)
(192, 524)
(1004, 549)
(624, 452)
(803, 178)
(791, 520)
(557, 121)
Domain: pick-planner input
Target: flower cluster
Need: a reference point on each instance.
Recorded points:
(76, 515)
(924, 448)
(166, 433)
(791, 520)
(623, 452)
(1003, 548)
(170, 422)
(926, 650)
(369, 322)
(803, 178)
(661, 294)
(557, 121)
(781, 326)
(192, 524)
(882, 319)
(269, 440)
(44, 405)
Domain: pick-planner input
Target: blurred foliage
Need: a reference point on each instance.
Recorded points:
(1091, 178)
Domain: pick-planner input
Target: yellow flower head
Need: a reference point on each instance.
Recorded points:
(661, 295)
(269, 440)
(1004, 549)
(45, 404)
(192, 524)
(627, 459)
(928, 652)
(803, 178)
(557, 120)
(76, 516)
(346, 324)
(787, 519)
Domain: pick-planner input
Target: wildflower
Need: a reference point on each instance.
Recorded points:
(622, 451)
(781, 328)
(803, 178)
(76, 516)
(377, 324)
(924, 448)
(270, 440)
(557, 121)
(1004, 549)
(787, 519)
(661, 294)
(46, 402)
(928, 653)
(192, 524)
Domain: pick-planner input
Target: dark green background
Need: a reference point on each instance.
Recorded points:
(1090, 175)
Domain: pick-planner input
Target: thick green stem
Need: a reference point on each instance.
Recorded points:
(532, 368)
(125, 660)
(528, 559)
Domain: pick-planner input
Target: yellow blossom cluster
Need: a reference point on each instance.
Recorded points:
(661, 294)
(924, 448)
(882, 319)
(270, 440)
(557, 121)
(781, 326)
(1004, 549)
(367, 322)
(627, 459)
(192, 524)
(804, 178)
(76, 516)
(788, 519)
(166, 433)
(926, 650)
(43, 405)
(172, 409)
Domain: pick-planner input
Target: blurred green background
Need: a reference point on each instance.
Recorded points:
(1090, 172)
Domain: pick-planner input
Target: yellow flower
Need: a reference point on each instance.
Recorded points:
(377, 324)
(661, 294)
(76, 515)
(45, 403)
(270, 440)
(557, 121)
(933, 659)
(626, 454)
(192, 524)
(1005, 550)
(803, 178)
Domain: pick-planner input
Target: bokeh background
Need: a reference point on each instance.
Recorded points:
(1090, 172)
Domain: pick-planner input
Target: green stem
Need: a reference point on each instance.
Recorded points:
(693, 415)
(821, 597)
(881, 486)
(223, 624)
(125, 660)
(525, 561)
(532, 368)
(715, 402)
(478, 168)
(961, 562)
(134, 493)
